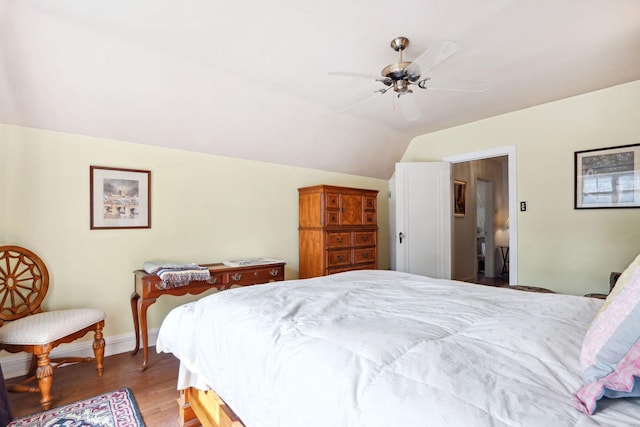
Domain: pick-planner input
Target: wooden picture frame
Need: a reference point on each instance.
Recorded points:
(119, 198)
(459, 198)
(607, 178)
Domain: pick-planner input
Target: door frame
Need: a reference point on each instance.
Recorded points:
(510, 152)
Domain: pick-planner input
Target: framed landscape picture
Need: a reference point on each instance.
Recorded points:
(607, 178)
(120, 198)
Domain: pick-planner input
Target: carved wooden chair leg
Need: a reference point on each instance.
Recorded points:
(44, 373)
(98, 349)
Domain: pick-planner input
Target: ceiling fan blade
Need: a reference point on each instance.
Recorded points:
(438, 83)
(432, 57)
(408, 107)
(358, 75)
(366, 97)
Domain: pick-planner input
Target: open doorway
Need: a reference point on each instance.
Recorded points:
(484, 241)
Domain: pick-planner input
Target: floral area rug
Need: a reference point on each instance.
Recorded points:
(117, 408)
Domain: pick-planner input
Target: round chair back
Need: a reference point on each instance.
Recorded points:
(24, 281)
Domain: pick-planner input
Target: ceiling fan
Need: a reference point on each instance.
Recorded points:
(402, 75)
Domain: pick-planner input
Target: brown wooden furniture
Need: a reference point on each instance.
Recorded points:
(338, 230)
(205, 408)
(24, 281)
(148, 287)
(613, 278)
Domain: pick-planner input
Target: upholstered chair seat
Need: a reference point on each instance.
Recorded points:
(43, 328)
(25, 327)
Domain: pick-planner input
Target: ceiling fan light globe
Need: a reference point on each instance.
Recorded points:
(401, 87)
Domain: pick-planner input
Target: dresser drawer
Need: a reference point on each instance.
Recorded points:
(337, 258)
(364, 255)
(333, 200)
(254, 276)
(338, 240)
(364, 238)
(363, 267)
(370, 203)
(370, 218)
(333, 217)
(342, 269)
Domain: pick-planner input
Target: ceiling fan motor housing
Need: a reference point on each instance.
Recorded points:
(396, 74)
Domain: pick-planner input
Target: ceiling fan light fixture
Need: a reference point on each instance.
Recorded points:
(401, 87)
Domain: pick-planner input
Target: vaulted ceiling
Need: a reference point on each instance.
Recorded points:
(250, 79)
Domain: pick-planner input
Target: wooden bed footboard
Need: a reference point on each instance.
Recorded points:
(205, 408)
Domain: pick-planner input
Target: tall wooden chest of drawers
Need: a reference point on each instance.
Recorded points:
(338, 230)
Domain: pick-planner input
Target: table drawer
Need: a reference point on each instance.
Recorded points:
(338, 258)
(338, 240)
(364, 255)
(155, 288)
(254, 276)
(364, 238)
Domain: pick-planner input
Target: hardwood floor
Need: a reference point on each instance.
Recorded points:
(492, 281)
(154, 389)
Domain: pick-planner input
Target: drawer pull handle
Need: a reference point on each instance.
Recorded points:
(339, 240)
(274, 272)
(212, 281)
(236, 276)
(339, 257)
(365, 239)
(365, 255)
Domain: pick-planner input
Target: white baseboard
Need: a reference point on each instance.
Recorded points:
(17, 364)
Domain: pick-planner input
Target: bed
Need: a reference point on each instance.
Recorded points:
(383, 348)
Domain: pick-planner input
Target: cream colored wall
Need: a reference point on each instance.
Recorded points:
(205, 208)
(567, 250)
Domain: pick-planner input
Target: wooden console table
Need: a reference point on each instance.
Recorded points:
(148, 287)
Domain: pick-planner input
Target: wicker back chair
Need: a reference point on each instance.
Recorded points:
(25, 327)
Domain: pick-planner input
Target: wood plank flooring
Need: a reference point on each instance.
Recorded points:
(154, 389)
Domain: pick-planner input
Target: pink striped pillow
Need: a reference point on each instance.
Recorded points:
(610, 356)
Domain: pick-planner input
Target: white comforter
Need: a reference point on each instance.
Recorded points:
(380, 348)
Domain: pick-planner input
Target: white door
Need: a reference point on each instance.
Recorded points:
(423, 219)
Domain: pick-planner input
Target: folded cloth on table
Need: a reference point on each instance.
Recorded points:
(174, 274)
(152, 267)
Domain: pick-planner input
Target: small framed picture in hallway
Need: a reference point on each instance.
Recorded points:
(459, 198)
